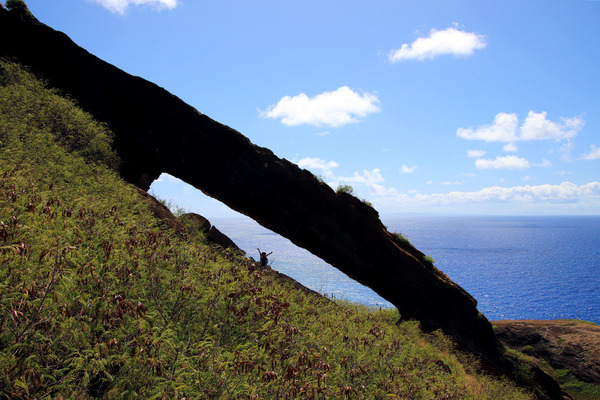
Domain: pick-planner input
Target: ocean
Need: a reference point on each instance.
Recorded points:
(516, 267)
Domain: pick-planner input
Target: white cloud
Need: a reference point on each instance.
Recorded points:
(544, 164)
(510, 148)
(367, 177)
(475, 153)
(565, 192)
(448, 41)
(120, 6)
(594, 153)
(536, 126)
(314, 163)
(565, 197)
(334, 109)
(506, 162)
(566, 149)
(503, 129)
(451, 183)
(372, 179)
(405, 169)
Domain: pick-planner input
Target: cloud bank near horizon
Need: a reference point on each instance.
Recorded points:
(566, 198)
(565, 194)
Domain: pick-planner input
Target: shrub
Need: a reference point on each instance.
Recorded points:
(401, 240)
(342, 188)
(345, 189)
(18, 5)
(429, 261)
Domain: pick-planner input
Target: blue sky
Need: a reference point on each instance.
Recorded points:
(462, 107)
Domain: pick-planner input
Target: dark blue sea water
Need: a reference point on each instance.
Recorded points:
(516, 267)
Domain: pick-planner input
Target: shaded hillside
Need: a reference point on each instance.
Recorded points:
(100, 299)
(156, 132)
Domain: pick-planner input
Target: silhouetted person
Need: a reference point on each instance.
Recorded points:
(264, 260)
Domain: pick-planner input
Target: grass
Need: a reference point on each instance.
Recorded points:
(401, 239)
(348, 189)
(429, 261)
(578, 389)
(574, 322)
(98, 301)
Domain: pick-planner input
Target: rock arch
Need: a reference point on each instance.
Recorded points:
(157, 132)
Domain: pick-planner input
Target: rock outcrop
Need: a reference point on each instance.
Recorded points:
(211, 233)
(191, 222)
(564, 344)
(156, 132)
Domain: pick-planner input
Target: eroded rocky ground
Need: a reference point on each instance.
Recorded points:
(563, 344)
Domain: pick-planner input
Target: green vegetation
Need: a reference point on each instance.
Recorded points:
(168, 203)
(578, 389)
(29, 109)
(574, 322)
(528, 350)
(521, 367)
(521, 360)
(367, 202)
(97, 300)
(401, 239)
(345, 189)
(18, 5)
(429, 261)
(348, 189)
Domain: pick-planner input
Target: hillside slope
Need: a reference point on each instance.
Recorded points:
(99, 299)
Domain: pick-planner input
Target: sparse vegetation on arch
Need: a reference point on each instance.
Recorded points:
(343, 188)
(401, 239)
(429, 261)
(17, 5)
(348, 189)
